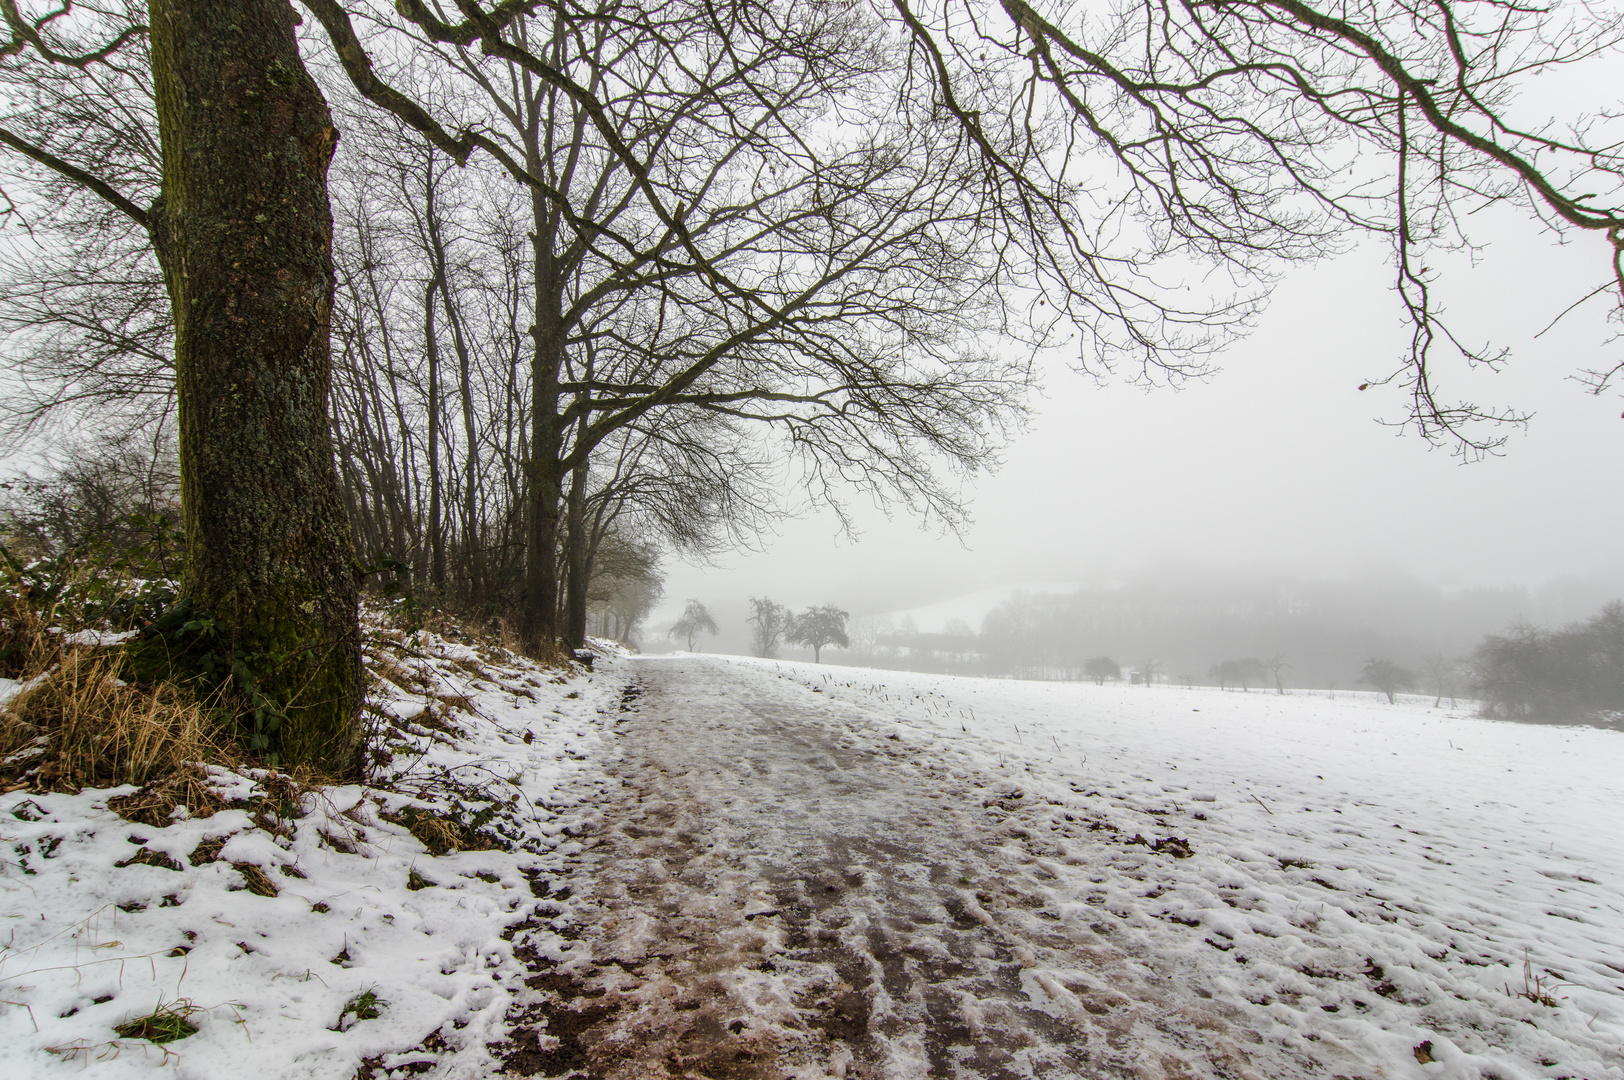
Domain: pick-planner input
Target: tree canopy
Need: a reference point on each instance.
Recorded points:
(817, 627)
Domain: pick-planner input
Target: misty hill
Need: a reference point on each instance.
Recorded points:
(1186, 621)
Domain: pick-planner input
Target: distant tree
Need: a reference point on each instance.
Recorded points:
(768, 624)
(817, 627)
(867, 632)
(1148, 670)
(1387, 677)
(959, 642)
(695, 621)
(1100, 668)
(1443, 675)
(1242, 672)
(625, 585)
(1276, 666)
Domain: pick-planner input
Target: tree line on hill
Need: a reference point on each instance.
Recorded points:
(1526, 673)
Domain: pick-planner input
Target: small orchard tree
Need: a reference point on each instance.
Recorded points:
(1443, 677)
(1100, 668)
(1148, 670)
(768, 624)
(1387, 677)
(695, 621)
(1242, 672)
(1276, 667)
(817, 627)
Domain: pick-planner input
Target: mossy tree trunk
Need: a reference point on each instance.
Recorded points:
(244, 234)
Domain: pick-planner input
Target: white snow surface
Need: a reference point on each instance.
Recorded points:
(1365, 878)
(1362, 880)
(90, 941)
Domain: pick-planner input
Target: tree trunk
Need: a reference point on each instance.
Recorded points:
(538, 623)
(538, 619)
(244, 235)
(431, 344)
(472, 560)
(579, 545)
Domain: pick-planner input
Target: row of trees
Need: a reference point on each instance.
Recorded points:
(1575, 673)
(1527, 673)
(682, 242)
(816, 628)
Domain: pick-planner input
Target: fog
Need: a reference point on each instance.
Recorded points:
(1276, 468)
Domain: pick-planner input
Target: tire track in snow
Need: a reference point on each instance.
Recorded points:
(788, 889)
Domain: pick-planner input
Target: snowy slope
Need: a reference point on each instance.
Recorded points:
(103, 920)
(1385, 883)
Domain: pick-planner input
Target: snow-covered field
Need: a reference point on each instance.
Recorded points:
(1403, 882)
(1340, 887)
(103, 921)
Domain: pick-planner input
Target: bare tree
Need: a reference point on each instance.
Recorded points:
(84, 318)
(1276, 667)
(1388, 677)
(1245, 132)
(626, 585)
(695, 620)
(1443, 675)
(775, 274)
(769, 622)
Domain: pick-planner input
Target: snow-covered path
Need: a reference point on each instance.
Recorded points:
(818, 872)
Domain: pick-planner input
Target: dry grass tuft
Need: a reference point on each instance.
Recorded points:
(155, 803)
(26, 646)
(436, 833)
(207, 850)
(148, 857)
(441, 833)
(100, 732)
(259, 882)
(165, 1024)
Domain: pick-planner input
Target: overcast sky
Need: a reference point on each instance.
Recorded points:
(1277, 462)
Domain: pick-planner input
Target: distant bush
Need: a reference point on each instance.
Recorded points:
(1387, 677)
(1573, 674)
(1244, 672)
(1101, 668)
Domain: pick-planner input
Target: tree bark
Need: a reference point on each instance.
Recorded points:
(244, 234)
(575, 558)
(538, 621)
(431, 345)
(538, 625)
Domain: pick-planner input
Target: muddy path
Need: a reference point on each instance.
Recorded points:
(784, 888)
